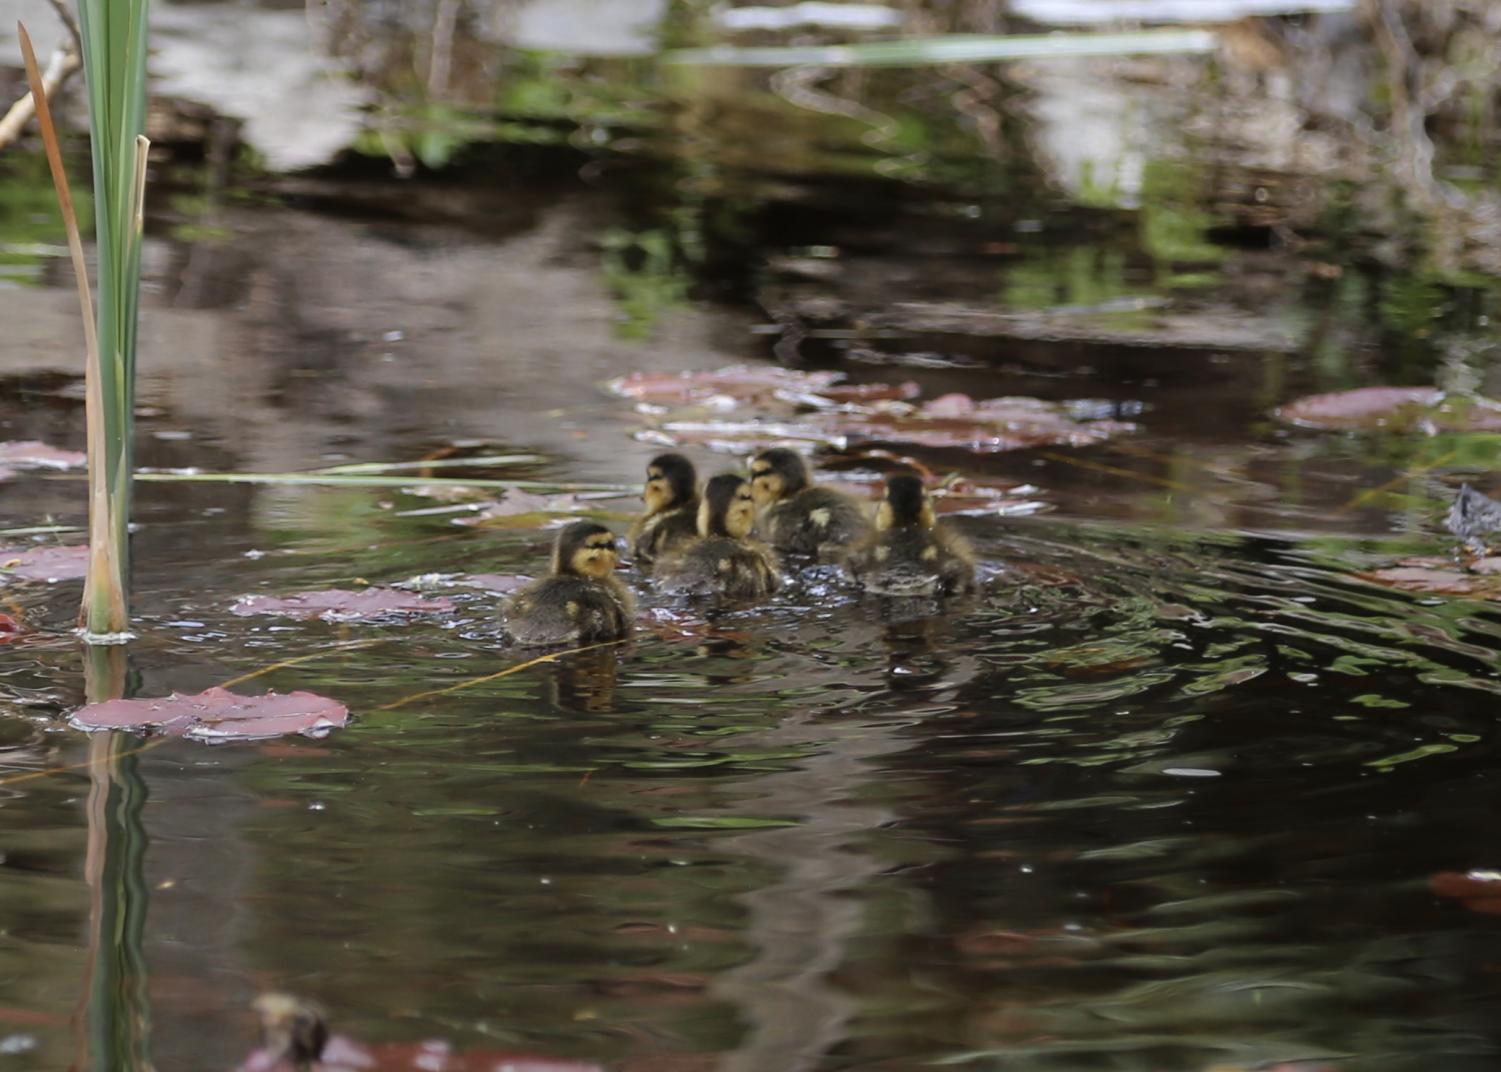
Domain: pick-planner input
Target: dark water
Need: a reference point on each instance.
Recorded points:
(1152, 801)
(1166, 795)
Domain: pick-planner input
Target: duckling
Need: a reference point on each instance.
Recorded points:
(724, 560)
(582, 601)
(911, 553)
(671, 518)
(798, 517)
(294, 1031)
(1473, 516)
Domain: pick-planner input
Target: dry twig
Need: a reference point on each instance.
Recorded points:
(59, 68)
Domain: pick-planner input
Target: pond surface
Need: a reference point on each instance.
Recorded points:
(1166, 795)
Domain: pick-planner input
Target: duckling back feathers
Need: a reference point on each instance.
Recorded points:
(582, 602)
(911, 554)
(797, 516)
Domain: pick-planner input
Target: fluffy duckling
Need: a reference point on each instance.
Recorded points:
(582, 601)
(910, 553)
(671, 518)
(1474, 516)
(724, 560)
(797, 516)
(293, 1031)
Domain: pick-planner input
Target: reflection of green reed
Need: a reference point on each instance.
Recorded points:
(643, 272)
(114, 64)
(117, 1038)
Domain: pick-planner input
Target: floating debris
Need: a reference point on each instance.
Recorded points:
(1472, 517)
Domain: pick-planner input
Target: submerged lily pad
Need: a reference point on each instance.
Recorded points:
(342, 1054)
(31, 454)
(339, 605)
(520, 509)
(218, 715)
(50, 563)
(1394, 409)
(1441, 576)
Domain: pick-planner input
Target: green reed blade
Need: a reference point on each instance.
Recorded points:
(114, 65)
(952, 48)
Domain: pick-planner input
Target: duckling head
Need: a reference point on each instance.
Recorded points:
(906, 504)
(293, 1030)
(585, 549)
(777, 474)
(670, 481)
(728, 508)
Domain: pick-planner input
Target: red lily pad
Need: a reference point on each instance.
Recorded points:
(338, 605)
(34, 455)
(741, 383)
(47, 563)
(1440, 576)
(218, 715)
(514, 508)
(343, 1054)
(988, 427)
(1394, 409)
(10, 629)
(872, 392)
(1479, 891)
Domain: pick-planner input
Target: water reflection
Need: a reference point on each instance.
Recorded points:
(118, 1012)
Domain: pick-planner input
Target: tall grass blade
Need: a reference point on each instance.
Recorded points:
(114, 65)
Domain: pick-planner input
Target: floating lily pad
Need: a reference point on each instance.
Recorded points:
(1479, 891)
(10, 629)
(520, 509)
(34, 455)
(218, 715)
(338, 605)
(741, 383)
(1441, 576)
(48, 563)
(1394, 409)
